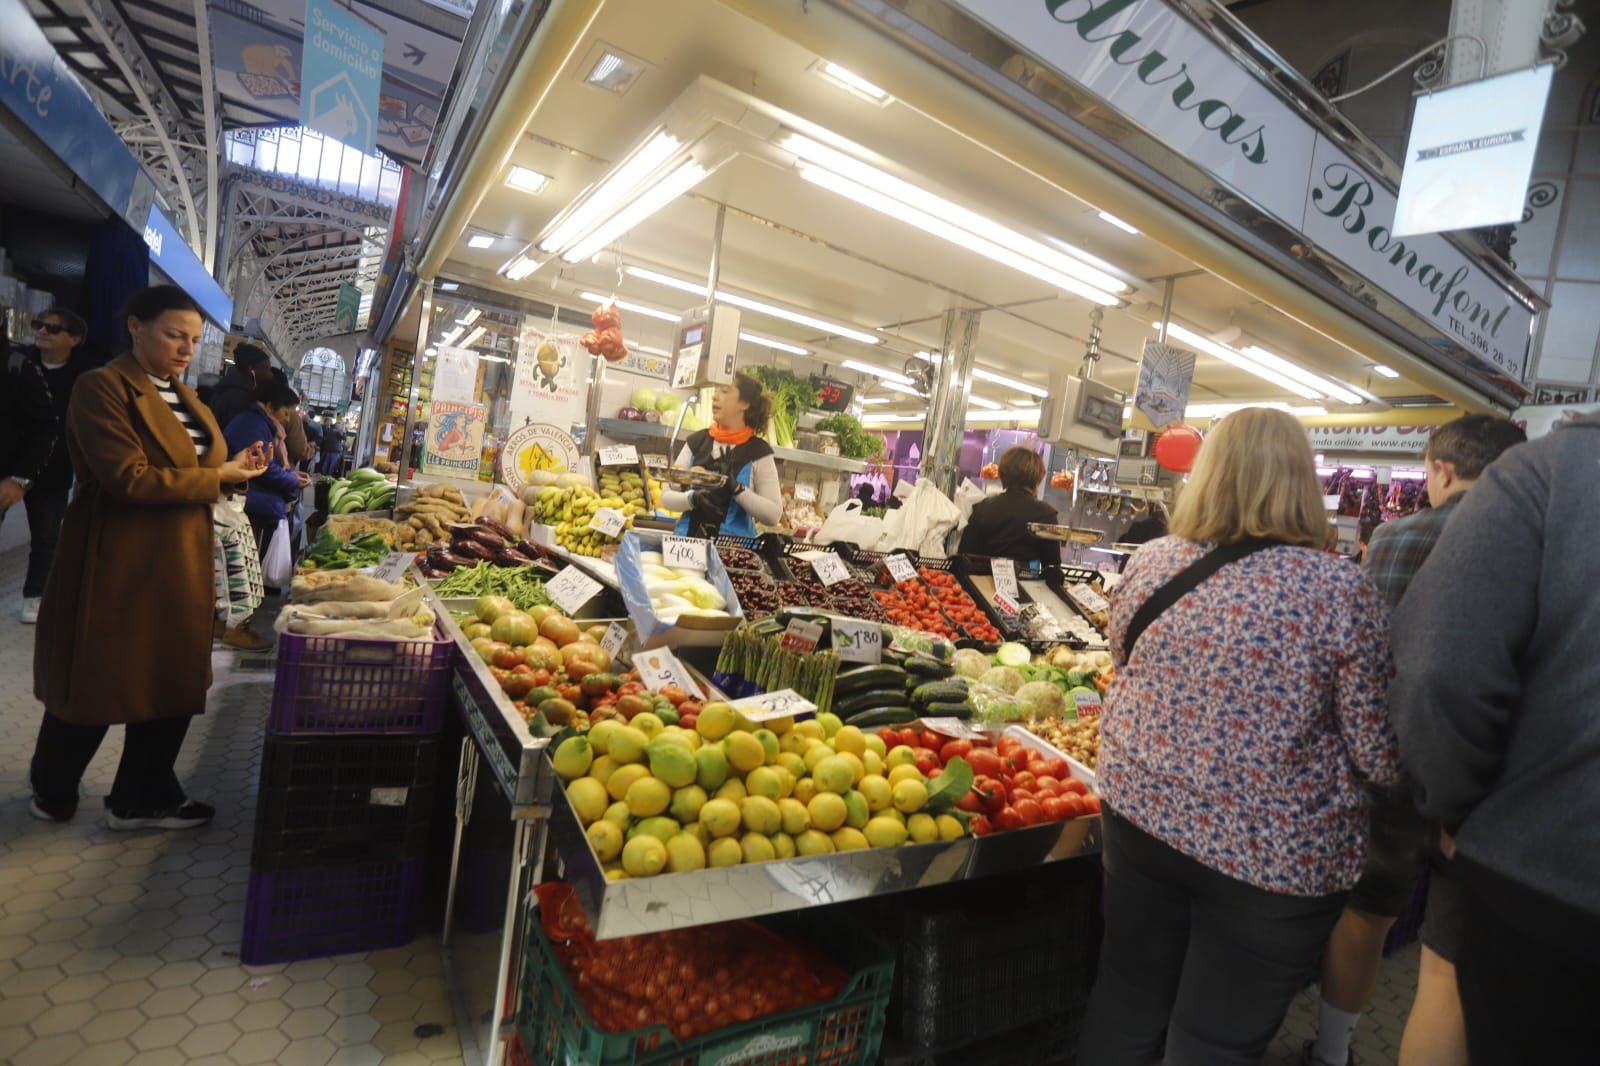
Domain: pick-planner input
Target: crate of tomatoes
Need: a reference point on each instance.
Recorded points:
(788, 990)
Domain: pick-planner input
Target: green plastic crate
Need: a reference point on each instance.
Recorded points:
(845, 1031)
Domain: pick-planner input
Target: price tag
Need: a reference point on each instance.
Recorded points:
(684, 553)
(801, 636)
(1004, 572)
(1088, 599)
(1008, 606)
(609, 521)
(1088, 706)
(784, 703)
(900, 568)
(393, 567)
(955, 728)
(571, 589)
(687, 366)
(829, 568)
(659, 668)
(616, 636)
(857, 640)
(542, 535)
(805, 493)
(619, 455)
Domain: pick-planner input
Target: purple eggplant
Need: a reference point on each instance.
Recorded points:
(439, 558)
(499, 529)
(472, 549)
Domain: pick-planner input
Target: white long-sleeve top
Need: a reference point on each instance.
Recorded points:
(763, 500)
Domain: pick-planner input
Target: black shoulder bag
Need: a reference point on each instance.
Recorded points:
(1183, 583)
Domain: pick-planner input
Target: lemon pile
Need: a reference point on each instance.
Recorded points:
(655, 798)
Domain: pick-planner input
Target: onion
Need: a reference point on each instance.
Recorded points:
(630, 414)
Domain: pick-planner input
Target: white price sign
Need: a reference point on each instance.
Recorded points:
(829, 568)
(1005, 578)
(394, 566)
(659, 668)
(1087, 706)
(684, 553)
(900, 568)
(805, 493)
(857, 640)
(571, 589)
(955, 728)
(784, 703)
(801, 636)
(615, 637)
(619, 455)
(1088, 599)
(609, 521)
(1008, 606)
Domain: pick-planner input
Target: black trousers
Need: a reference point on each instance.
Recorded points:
(1197, 969)
(46, 506)
(145, 778)
(1525, 1000)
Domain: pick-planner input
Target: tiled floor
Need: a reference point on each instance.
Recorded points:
(123, 947)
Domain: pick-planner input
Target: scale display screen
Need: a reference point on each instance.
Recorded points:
(692, 335)
(832, 395)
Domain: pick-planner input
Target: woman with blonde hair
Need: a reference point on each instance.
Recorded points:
(1247, 717)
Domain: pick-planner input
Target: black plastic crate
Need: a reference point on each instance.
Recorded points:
(1052, 1041)
(344, 799)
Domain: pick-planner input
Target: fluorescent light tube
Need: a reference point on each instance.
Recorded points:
(798, 317)
(520, 267)
(1301, 374)
(978, 226)
(529, 181)
(638, 309)
(1005, 414)
(895, 386)
(595, 204)
(1217, 410)
(450, 338)
(941, 227)
(881, 419)
(470, 317)
(648, 203)
(472, 338)
(876, 371)
(853, 81)
(769, 342)
(1243, 362)
(481, 240)
(979, 401)
(1010, 383)
(449, 286)
(1107, 216)
(1379, 368)
(875, 401)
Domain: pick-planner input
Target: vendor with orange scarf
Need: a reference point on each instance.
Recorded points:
(739, 411)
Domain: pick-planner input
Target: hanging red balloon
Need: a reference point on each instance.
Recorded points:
(1176, 447)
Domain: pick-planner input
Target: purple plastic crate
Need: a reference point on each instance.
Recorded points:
(313, 912)
(335, 685)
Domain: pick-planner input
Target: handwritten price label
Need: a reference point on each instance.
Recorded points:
(1008, 606)
(784, 703)
(955, 728)
(802, 637)
(900, 568)
(619, 455)
(1088, 706)
(609, 521)
(1088, 599)
(659, 668)
(805, 493)
(857, 640)
(1005, 578)
(684, 553)
(571, 589)
(615, 637)
(829, 568)
(393, 567)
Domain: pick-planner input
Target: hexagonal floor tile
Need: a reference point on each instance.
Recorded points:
(252, 1048)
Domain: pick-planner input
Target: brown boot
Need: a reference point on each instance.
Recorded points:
(242, 638)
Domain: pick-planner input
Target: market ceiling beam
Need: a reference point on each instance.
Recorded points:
(208, 105)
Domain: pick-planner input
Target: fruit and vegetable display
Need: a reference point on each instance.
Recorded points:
(355, 606)
(426, 518)
(552, 668)
(936, 604)
(482, 541)
(791, 395)
(854, 440)
(329, 551)
(647, 405)
(753, 660)
(1078, 739)
(522, 585)
(677, 593)
(661, 799)
(605, 339)
(899, 690)
(362, 490)
(569, 509)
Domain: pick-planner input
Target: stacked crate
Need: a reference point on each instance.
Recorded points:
(348, 777)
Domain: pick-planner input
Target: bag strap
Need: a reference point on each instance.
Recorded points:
(1183, 583)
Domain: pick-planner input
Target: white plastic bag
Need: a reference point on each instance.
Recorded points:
(277, 566)
(846, 522)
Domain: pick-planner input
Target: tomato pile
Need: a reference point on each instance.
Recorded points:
(693, 981)
(1016, 785)
(937, 604)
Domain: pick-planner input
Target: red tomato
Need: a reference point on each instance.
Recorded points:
(985, 762)
(927, 764)
(1073, 785)
(981, 826)
(891, 738)
(955, 749)
(1059, 769)
(991, 792)
(932, 740)
(1047, 787)
(1056, 809)
(541, 677)
(1074, 806)
(1007, 818)
(1020, 794)
(972, 803)
(1091, 804)
(935, 772)
(508, 657)
(1023, 780)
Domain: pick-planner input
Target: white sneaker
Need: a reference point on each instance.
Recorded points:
(30, 610)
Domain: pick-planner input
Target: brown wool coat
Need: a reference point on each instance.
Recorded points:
(125, 626)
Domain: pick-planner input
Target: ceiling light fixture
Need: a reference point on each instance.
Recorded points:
(450, 338)
(798, 317)
(520, 267)
(933, 214)
(1380, 369)
(481, 240)
(659, 195)
(1238, 359)
(631, 193)
(777, 345)
(1301, 374)
(1010, 383)
(876, 371)
(1107, 216)
(895, 386)
(472, 338)
(528, 181)
(1005, 414)
(1217, 410)
(872, 419)
(470, 317)
(852, 82)
(986, 404)
(449, 286)
(625, 305)
(876, 401)
(614, 72)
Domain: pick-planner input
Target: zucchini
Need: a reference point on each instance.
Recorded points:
(961, 710)
(861, 701)
(927, 669)
(939, 692)
(868, 678)
(875, 717)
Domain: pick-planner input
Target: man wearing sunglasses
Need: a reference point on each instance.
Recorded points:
(34, 460)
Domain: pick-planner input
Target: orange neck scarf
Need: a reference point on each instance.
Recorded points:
(734, 437)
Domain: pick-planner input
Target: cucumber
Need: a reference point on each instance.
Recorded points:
(867, 678)
(861, 701)
(961, 710)
(927, 669)
(939, 692)
(874, 717)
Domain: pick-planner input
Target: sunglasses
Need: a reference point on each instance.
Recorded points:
(52, 328)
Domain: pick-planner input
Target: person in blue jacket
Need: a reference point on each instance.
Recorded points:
(264, 423)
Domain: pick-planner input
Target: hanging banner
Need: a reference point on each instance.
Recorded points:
(455, 375)
(549, 385)
(536, 446)
(340, 71)
(454, 444)
(347, 309)
(1391, 440)
(1162, 393)
(1471, 153)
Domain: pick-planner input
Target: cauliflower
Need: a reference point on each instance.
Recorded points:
(1043, 699)
(1004, 678)
(970, 662)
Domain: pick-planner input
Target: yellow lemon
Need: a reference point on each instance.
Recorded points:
(744, 751)
(901, 756)
(724, 851)
(876, 745)
(760, 815)
(796, 819)
(813, 842)
(606, 840)
(877, 791)
(950, 827)
(856, 811)
(684, 853)
(827, 811)
(720, 817)
(686, 803)
(588, 799)
(627, 744)
(804, 789)
(757, 848)
(716, 720)
(647, 797)
(764, 781)
(811, 729)
(602, 769)
(872, 763)
(847, 840)
(910, 797)
(618, 784)
(644, 856)
(850, 738)
(904, 773)
(648, 723)
(834, 774)
(830, 723)
(884, 832)
(815, 753)
(922, 828)
(783, 844)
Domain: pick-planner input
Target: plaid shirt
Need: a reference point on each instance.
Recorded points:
(1398, 549)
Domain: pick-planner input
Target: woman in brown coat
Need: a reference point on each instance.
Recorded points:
(125, 627)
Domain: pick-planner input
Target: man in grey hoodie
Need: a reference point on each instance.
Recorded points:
(1496, 702)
